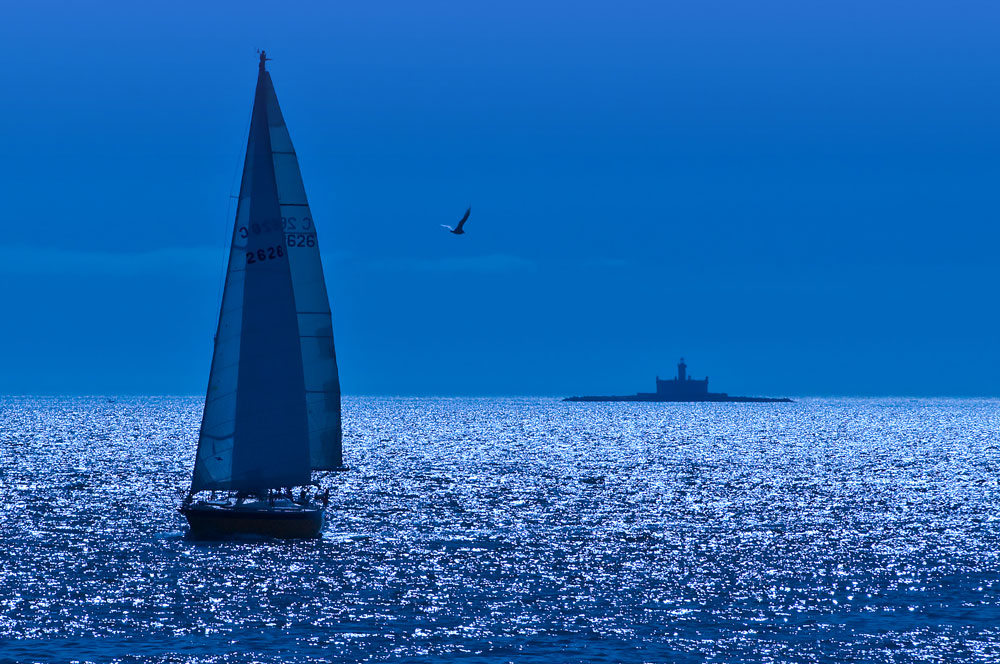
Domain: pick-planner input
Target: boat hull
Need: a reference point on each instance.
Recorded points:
(282, 522)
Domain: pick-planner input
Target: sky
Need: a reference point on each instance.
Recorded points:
(800, 198)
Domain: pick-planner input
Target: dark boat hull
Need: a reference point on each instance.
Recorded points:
(214, 521)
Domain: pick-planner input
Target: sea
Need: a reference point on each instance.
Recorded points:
(518, 530)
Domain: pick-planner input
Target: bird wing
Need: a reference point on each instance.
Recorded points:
(462, 222)
(447, 226)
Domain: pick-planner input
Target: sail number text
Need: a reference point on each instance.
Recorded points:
(267, 253)
(301, 240)
(292, 224)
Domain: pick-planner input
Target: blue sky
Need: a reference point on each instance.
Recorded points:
(800, 198)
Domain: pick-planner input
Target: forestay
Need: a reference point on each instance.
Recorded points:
(272, 412)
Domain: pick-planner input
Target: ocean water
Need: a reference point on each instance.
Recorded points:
(527, 530)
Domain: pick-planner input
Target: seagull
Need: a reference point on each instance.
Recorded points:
(458, 229)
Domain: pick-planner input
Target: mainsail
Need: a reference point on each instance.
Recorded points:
(272, 412)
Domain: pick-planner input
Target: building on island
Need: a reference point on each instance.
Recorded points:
(680, 388)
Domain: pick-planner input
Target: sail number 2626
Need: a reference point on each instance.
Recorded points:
(301, 239)
(267, 253)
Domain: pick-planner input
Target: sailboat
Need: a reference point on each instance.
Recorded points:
(272, 410)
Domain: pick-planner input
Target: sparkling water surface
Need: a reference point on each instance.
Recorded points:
(523, 530)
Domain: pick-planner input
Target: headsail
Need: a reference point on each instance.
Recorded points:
(272, 412)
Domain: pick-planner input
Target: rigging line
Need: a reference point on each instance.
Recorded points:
(227, 233)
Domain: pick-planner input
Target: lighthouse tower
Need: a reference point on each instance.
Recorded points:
(683, 387)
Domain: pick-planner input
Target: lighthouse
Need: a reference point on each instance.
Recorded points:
(682, 388)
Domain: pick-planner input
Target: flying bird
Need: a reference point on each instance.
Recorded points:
(458, 229)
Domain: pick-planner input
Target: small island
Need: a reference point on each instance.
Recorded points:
(682, 388)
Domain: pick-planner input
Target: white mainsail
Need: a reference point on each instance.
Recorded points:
(319, 359)
(272, 412)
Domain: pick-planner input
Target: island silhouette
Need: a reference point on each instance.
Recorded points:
(681, 388)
